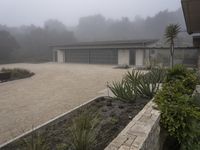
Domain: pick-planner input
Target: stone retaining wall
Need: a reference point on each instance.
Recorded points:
(142, 133)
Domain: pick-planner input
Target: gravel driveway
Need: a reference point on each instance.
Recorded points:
(53, 90)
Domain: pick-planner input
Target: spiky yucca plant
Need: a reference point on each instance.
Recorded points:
(145, 85)
(123, 90)
(171, 33)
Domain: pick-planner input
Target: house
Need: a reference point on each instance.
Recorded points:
(104, 52)
(191, 11)
(135, 53)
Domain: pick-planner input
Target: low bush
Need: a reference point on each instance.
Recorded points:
(176, 73)
(180, 114)
(18, 73)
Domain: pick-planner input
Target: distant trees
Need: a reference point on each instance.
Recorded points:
(34, 41)
(97, 27)
(7, 45)
(171, 33)
(54, 25)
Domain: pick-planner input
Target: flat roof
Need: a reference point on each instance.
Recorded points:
(107, 44)
(191, 10)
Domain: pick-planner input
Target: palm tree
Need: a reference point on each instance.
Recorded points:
(171, 33)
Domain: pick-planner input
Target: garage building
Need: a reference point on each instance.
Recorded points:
(110, 52)
(137, 53)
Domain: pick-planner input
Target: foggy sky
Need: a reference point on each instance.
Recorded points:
(18, 12)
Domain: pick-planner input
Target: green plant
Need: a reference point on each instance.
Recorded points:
(35, 142)
(123, 90)
(180, 114)
(189, 78)
(178, 72)
(171, 33)
(157, 74)
(83, 132)
(18, 73)
(62, 146)
(145, 85)
(114, 120)
(137, 83)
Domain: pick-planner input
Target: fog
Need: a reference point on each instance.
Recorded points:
(26, 12)
(28, 27)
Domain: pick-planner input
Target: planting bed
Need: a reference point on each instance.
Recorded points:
(113, 116)
(14, 74)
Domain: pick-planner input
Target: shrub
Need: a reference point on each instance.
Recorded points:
(180, 114)
(178, 72)
(83, 132)
(18, 73)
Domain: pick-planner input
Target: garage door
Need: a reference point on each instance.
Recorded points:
(100, 56)
(132, 57)
(77, 56)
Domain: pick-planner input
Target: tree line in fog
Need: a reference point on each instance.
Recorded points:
(31, 43)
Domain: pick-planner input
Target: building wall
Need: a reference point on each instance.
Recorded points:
(139, 57)
(123, 57)
(196, 43)
(60, 56)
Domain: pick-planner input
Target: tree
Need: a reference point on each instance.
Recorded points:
(54, 25)
(171, 33)
(7, 45)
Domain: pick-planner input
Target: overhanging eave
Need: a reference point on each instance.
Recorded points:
(191, 10)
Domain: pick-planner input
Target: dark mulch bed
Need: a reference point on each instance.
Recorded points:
(114, 116)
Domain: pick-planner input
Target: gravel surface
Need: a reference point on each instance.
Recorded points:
(53, 90)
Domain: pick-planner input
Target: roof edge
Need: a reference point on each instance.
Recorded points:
(104, 43)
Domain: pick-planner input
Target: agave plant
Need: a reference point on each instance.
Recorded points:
(136, 84)
(147, 86)
(83, 132)
(157, 75)
(133, 79)
(123, 90)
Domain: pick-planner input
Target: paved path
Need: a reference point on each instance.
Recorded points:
(55, 89)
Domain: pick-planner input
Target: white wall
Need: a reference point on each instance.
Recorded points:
(61, 56)
(123, 57)
(139, 57)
